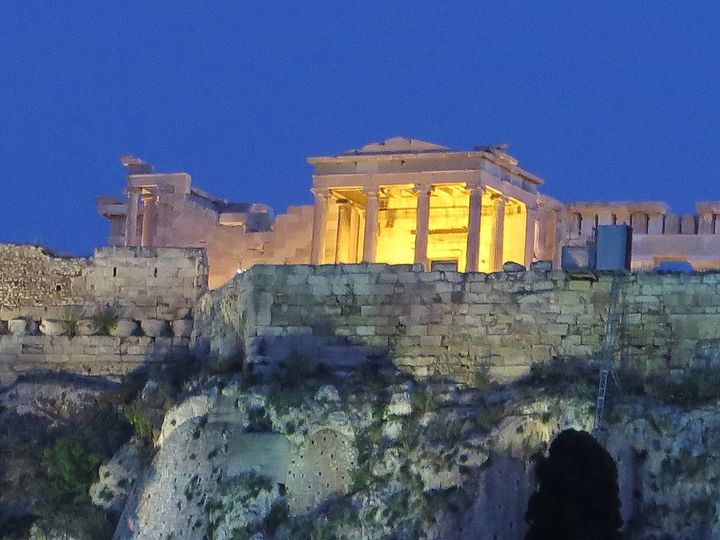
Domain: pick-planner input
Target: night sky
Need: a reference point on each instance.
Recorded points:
(604, 100)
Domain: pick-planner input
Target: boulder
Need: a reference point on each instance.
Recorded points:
(542, 266)
(182, 327)
(513, 267)
(327, 394)
(50, 327)
(125, 328)
(155, 327)
(400, 405)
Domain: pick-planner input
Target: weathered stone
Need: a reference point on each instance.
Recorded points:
(513, 267)
(182, 327)
(22, 327)
(155, 327)
(51, 328)
(125, 328)
(542, 266)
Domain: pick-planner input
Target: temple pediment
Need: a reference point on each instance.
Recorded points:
(399, 145)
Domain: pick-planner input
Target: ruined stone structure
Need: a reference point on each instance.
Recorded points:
(164, 210)
(400, 201)
(151, 291)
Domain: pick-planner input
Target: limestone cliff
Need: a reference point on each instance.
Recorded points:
(386, 457)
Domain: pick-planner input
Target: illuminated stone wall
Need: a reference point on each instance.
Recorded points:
(450, 324)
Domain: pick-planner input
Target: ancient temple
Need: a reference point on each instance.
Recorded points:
(399, 201)
(408, 201)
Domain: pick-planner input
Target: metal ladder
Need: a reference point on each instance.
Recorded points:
(615, 319)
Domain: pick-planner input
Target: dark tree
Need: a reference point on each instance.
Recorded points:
(577, 496)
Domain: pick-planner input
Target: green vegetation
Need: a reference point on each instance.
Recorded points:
(689, 388)
(483, 380)
(70, 321)
(76, 521)
(423, 403)
(72, 465)
(300, 377)
(225, 365)
(104, 320)
(488, 419)
(138, 416)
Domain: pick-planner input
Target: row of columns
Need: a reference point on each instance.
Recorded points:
(423, 192)
(149, 217)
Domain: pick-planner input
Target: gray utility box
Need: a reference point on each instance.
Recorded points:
(578, 258)
(614, 247)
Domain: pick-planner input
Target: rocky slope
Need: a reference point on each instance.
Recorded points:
(372, 455)
(392, 458)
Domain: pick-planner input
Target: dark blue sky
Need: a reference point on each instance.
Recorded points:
(606, 101)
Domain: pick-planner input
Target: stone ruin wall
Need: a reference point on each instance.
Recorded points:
(450, 324)
(31, 275)
(152, 291)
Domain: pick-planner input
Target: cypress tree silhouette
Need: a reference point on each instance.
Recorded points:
(577, 496)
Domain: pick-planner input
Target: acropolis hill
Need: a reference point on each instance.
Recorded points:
(382, 364)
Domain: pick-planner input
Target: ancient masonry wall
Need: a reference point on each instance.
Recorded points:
(452, 324)
(152, 292)
(31, 275)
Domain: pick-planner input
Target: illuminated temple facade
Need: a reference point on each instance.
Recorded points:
(399, 201)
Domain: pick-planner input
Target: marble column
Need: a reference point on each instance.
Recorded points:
(531, 218)
(499, 232)
(372, 208)
(132, 216)
(342, 241)
(148, 222)
(317, 252)
(474, 223)
(422, 224)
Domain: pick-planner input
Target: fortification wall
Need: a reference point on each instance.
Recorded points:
(104, 356)
(31, 275)
(450, 324)
(151, 291)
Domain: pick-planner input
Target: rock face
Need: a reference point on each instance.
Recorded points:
(362, 464)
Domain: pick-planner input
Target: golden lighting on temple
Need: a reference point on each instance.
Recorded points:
(447, 209)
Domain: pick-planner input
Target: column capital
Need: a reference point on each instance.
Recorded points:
(475, 187)
(423, 189)
(500, 198)
(373, 192)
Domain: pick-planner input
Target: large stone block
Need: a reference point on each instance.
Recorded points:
(125, 328)
(155, 327)
(50, 327)
(182, 327)
(22, 327)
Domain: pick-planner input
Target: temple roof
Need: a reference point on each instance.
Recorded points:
(398, 145)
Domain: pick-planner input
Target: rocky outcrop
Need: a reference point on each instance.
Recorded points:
(406, 460)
